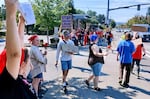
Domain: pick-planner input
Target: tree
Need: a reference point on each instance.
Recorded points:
(93, 16)
(101, 19)
(48, 12)
(112, 23)
(72, 10)
(137, 20)
(78, 11)
(2, 12)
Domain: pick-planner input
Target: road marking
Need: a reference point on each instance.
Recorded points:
(148, 54)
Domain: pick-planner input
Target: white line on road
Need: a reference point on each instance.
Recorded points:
(148, 54)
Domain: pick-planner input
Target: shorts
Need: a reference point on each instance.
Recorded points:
(66, 65)
(97, 69)
(39, 76)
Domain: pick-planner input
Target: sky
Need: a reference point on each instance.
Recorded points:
(120, 15)
(100, 6)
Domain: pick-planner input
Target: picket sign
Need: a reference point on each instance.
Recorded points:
(26, 10)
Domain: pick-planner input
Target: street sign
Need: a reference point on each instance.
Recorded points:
(66, 21)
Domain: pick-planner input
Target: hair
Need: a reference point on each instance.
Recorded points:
(26, 55)
(128, 36)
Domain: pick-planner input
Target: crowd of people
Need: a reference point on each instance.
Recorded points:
(17, 62)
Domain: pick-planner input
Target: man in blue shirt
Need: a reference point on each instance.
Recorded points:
(125, 50)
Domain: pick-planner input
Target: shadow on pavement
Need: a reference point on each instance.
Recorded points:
(86, 70)
(77, 89)
(140, 90)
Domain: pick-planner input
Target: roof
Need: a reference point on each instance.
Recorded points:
(80, 16)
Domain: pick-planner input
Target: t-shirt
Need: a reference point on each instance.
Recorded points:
(138, 52)
(3, 59)
(125, 50)
(64, 56)
(14, 89)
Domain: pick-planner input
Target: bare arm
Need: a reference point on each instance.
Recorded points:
(21, 27)
(13, 47)
(95, 50)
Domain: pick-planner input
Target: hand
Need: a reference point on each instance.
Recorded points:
(11, 6)
(56, 64)
(45, 53)
(21, 18)
(105, 53)
(117, 59)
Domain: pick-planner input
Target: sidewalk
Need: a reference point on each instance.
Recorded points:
(139, 88)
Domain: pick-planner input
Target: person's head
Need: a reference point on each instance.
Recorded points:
(94, 38)
(34, 39)
(136, 35)
(128, 36)
(66, 35)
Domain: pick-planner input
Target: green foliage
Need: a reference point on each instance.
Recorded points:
(113, 24)
(93, 19)
(78, 11)
(72, 10)
(101, 19)
(48, 12)
(137, 20)
(0, 24)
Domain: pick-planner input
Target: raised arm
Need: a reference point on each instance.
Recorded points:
(21, 27)
(13, 46)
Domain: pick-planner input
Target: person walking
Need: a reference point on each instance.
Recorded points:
(137, 56)
(38, 61)
(95, 60)
(66, 57)
(109, 37)
(125, 50)
(12, 84)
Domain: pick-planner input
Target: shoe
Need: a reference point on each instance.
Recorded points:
(120, 82)
(65, 90)
(67, 83)
(97, 89)
(125, 85)
(138, 77)
(87, 83)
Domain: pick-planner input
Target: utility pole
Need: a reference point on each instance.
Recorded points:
(107, 18)
(125, 7)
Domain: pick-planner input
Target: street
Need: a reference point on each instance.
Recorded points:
(139, 88)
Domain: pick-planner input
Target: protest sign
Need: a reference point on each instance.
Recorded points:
(66, 21)
(25, 9)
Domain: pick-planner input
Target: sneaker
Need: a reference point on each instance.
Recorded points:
(67, 83)
(125, 85)
(138, 77)
(87, 83)
(120, 82)
(97, 89)
(65, 90)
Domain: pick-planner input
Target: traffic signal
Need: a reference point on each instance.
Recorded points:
(138, 7)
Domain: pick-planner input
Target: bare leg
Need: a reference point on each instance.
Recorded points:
(35, 84)
(95, 80)
(65, 73)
